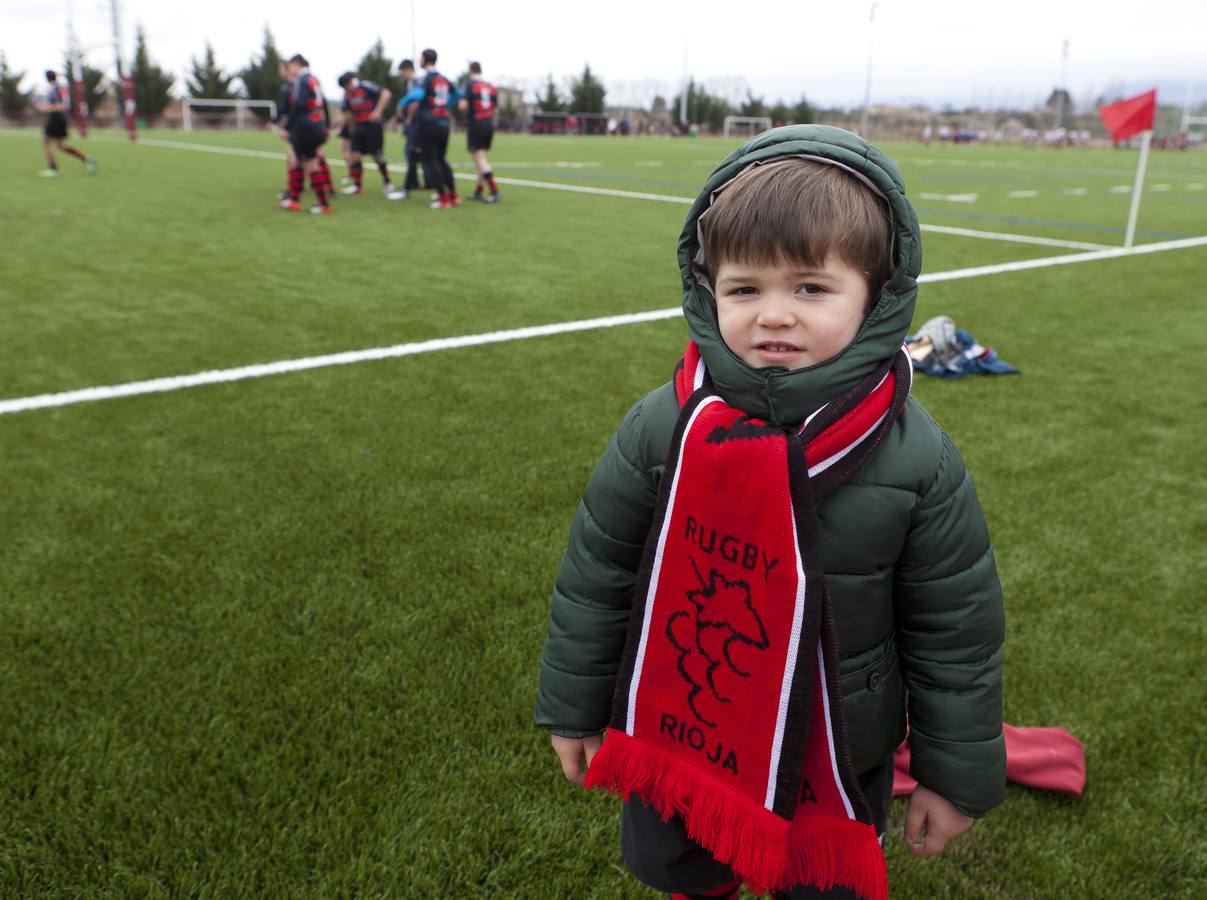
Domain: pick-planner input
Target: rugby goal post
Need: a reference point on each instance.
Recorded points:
(240, 107)
(746, 126)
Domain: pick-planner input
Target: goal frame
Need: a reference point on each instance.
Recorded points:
(240, 106)
(730, 121)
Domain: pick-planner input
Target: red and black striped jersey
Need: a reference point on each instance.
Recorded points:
(437, 94)
(57, 94)
(306, 104)
(362, 100)
(483, 99)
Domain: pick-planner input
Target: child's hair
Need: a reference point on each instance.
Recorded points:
(346, 79)
(428, 56)
(800, 211)
(300, 60)
(475, 68)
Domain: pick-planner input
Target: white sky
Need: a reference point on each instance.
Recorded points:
(959, 51)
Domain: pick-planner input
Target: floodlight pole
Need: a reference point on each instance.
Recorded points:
(1064, 74)
(683, 93)
(1134, 212)
(867, 84)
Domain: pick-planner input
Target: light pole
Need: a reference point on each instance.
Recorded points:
(1063, 96)
(867, 85)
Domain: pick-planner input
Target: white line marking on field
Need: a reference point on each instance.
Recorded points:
(954, 198)
(554, 164)
(1075, 192)
(1120, 189)
(1195, 186)
(1014, 238)
(1159, 187)
(649, 162)
(178, 382)
(1018, 194)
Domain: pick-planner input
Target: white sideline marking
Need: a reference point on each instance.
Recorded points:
(954, 198)
(649, 162)
(1195, 186)
(1120, 189)
(1014, 238)
(177, 382)
(1159, 187)
(1023, 194)
(1075, 192)
(556, 164)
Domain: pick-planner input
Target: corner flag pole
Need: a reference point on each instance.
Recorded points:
(1137, 188)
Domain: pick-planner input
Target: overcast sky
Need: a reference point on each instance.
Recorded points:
(959, 51)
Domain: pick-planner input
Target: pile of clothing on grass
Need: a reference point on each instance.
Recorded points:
(940, 349)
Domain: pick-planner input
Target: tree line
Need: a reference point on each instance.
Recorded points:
(260, 79)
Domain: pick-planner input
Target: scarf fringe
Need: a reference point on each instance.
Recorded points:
(768, 852)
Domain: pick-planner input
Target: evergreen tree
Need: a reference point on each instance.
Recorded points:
(780, 113)
(208, 80)
(375, 66)
(152, 85)
(261, 76)
(804, 112)
(13, 101)
(587, 93)
(702, 108)
(552, 101)
(753, 106)
(94, 91)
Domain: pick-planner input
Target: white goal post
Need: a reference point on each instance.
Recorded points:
(746, 126)
(240, 107)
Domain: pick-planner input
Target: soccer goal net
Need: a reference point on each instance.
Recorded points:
(746, 126)
(217, 113)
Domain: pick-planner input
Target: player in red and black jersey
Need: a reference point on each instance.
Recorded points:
(434, 95)
(363, 109)
(305, 126)
(296, 179)
(480, 103)
(55, 102)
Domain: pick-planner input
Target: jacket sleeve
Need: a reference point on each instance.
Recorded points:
(593, 590)
(951, 625)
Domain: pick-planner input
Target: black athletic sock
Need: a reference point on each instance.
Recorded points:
(358, 172)
(71, 151)
(490, 182)
(384, 169)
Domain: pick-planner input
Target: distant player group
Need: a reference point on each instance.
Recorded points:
(304, 120)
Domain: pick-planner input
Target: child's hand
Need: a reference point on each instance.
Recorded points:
(930, 822)
(575, 754)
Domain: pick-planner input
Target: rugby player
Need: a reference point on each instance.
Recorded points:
(55, 103)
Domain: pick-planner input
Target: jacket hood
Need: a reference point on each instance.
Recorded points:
(774, 393)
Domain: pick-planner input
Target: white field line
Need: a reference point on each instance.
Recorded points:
(633, 195)
(1120, 189)
(178, 382)
(1195, 186)
(1075, 192)
(1014, 238)
(953, 198)
(1023, 194)
(557, 164)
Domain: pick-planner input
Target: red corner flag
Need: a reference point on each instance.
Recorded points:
(1130, 116)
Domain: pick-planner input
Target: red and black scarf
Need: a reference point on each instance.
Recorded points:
(728, 706)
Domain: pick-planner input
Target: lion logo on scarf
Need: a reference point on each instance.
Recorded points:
(725, 624)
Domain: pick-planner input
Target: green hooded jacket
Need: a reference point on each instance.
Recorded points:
(907, 555)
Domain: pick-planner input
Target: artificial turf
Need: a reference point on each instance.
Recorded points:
(280, 637)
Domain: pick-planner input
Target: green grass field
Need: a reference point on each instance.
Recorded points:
(279, 637)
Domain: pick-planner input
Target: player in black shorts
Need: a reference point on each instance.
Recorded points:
(480, 102)
(55, 102)
(364, 106)
(296, 178)
(305, 127)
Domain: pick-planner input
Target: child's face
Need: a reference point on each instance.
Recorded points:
(788, 314)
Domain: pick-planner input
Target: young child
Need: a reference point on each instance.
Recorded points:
(780, 554)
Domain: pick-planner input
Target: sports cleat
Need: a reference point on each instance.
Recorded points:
(454, 200)
(49, 173)
(290, 205)
(320, 209)
(439, 203)
(398, 194)
(479, 197)
(494, 198)
(352, 190)
(90, 165)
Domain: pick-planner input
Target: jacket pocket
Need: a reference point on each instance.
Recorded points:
(874, 703)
